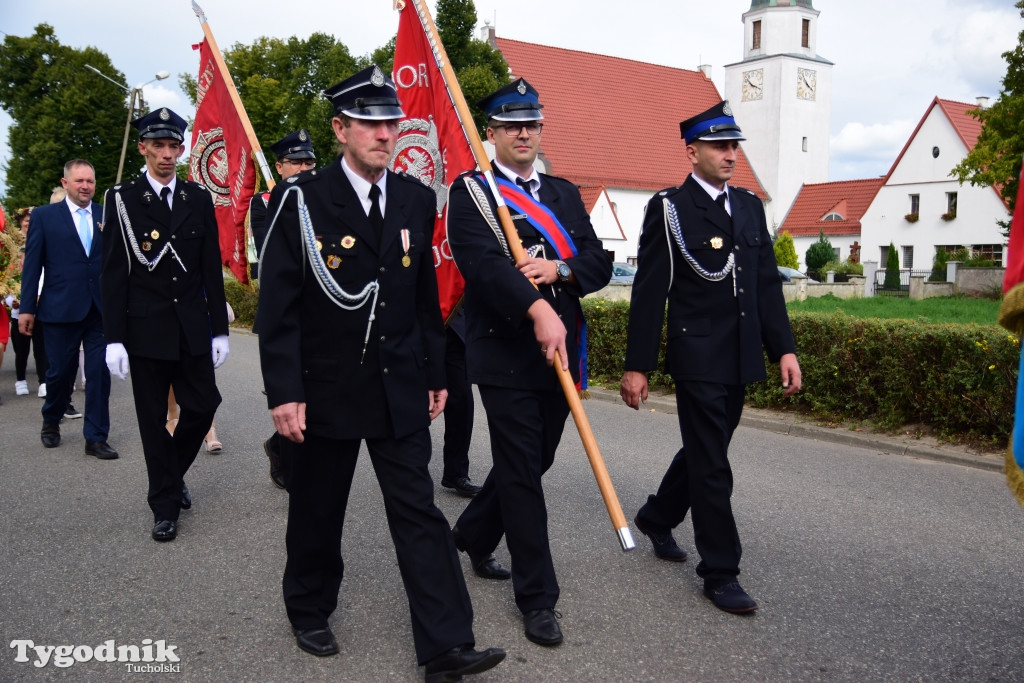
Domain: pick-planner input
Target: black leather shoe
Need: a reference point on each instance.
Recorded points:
(316, 641)
(462, 486)
(461, 661)
(484, 566)
(165, 530)
(275, 464)
(731, 598)
(50, 435)
(542, 627)
(101, 450)
(665, 547)
(186, 498)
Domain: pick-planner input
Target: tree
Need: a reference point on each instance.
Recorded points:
(280, 83)
(819, 253)
(479, 67)
(785, 251)
(892, 269)
(60, 111)
(996, 158)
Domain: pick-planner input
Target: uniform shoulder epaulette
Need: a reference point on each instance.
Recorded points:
(303, 178)
(743, 189)
(124, 183)
(670, 190)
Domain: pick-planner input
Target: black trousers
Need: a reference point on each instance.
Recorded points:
(169, 457)
(525, 428)
(321, 478)
(700, 478)
(458, 410)
(22, 343)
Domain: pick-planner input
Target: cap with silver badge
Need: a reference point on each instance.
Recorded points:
(716, 123)
(368, 95)
(517, 101)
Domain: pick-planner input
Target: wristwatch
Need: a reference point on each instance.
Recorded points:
(562, 268)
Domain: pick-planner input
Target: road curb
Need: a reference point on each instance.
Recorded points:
(787, 424)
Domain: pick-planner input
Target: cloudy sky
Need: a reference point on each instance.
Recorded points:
(891, 58)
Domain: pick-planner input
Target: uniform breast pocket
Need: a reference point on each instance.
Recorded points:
(342, 254)
(323, 370)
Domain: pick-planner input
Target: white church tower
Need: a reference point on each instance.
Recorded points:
(781, 96)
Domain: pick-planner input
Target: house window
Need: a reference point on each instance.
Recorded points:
(803, 145)
(915, 203)
(951, 204)
(805, 36)
(884, 251)
(835, 254)
(755, 43)
(834, 216)
(908, 258)
(990, 252)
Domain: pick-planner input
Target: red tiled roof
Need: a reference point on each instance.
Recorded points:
(598, 132)
(967, 127)
(590, 194)
(849, 198)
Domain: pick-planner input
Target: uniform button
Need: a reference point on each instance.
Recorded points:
(684, 329)
(174, 237)
(385, 371)
(383, 304)
(739, 269)
(737, 247)
(741, 290)
(383, 339)
(490, 331)
(383, 269)
(742, 314)
(174, 279)
(175, 301)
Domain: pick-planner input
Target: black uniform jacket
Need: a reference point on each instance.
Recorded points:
(154, 313)
(501, 349)
(311, 349)
(713, 334)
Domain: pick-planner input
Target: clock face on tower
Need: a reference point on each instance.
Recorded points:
(753, 84)
(806, 83)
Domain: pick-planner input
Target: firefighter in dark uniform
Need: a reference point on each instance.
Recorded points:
(512, 332)
(352, 350)
(163, 300)
(705, 247)
(294, 154)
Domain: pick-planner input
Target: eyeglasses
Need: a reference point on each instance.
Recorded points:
(513, 129)
(300, 162)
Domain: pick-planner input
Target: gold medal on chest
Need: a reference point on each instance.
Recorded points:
(333, 261)
(716, 242)
(348, 241)
(319, 245)
(155, 234)
(146, 246)
(406, 261)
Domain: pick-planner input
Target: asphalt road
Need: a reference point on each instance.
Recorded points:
(868, 564)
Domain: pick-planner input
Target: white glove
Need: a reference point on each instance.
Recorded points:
(220, 350)
(117, 360)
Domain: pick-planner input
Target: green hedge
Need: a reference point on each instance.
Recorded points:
(959, 380)
(243, 301)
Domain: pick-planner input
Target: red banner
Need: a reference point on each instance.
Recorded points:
(221, 160)
(431, 145)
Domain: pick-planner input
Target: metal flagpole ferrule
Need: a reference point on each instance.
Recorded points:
(626, 538)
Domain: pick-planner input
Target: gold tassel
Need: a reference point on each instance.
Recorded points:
(584, 395)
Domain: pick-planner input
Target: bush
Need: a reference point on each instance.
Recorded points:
(819, 253)
(892, 269)
(785, 251)
(958, 379)
(243, 302)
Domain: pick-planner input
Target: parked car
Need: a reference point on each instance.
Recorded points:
(787, 274)
(623, 272)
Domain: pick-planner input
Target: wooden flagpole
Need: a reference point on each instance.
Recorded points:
(261, 160)
(451, 83)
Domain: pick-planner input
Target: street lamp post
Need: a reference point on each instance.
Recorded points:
(132, 94)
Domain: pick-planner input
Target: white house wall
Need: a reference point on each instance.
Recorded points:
(921, 173)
